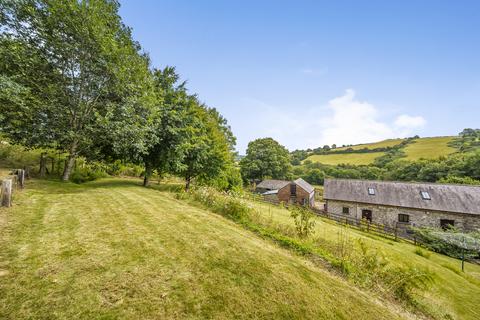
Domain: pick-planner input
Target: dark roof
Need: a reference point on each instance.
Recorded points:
(272, 184)
(304, 185)
(444, 197)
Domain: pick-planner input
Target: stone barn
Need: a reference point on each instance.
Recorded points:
(405, 204)
(295, 192)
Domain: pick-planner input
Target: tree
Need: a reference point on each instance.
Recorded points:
(207, 147)
(265, 158)
(170, 124)
(315, 176)
(86, 78)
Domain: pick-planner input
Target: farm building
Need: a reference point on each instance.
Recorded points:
(296, 192)
(405, 204)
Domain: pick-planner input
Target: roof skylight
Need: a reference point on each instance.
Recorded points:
(425, 195)
(371, 191)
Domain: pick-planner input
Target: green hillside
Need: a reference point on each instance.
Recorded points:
(374, 145)
(426, 148)
(347, 158)
(112, 249)
(452, 295)
(429, 148)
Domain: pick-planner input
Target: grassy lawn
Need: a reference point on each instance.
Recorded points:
(429, 148)
(347, 158)
(374, 145)
(112, 249)
(453, 294)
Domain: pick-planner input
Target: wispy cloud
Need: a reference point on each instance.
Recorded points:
(314, 71)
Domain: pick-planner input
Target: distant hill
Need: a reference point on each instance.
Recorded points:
(426, 148)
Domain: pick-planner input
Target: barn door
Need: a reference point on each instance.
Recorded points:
(367, 214)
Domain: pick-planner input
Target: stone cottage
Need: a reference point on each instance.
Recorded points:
(296, 192)
(405, 204)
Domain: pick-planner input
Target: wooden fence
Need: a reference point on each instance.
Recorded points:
(9, 184)
(399, 231)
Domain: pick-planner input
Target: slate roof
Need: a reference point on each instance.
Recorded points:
(444, 197)
(304, 185)
(272, 184)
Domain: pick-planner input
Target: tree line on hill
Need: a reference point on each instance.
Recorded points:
(266, 158)
(73, 79)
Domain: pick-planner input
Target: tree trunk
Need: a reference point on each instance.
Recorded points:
(43, 165)
(53, 165)
(148, 174)
(188, 180)
(69, 163)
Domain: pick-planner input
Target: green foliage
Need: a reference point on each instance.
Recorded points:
(88, 94)
(459, 180)
(265, 158)
(304, 221)
(87, 174)
(314, 176)
(436, 240)
(16, 156)
(227, 204)
(298, 156)
(422, 253)
(469, 139)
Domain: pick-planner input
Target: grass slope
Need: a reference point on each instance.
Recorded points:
(112, 249)
(429, 148)
(374, 145)
(453, 295)
(346, 158)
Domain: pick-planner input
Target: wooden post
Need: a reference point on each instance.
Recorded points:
(396, 225)
(21, 178)
(6, 193)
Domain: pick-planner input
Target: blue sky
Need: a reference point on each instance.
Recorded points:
(309, 73)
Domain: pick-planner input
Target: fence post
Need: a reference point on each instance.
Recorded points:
(6, 193)
(396, 225)
(368, 225)
(21, 178)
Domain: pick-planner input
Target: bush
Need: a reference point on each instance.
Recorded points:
(422, 253)
(434, 239)
(304, 220)
(86, 174)
(229, 204)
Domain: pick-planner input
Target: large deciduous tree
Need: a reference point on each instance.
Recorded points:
(82, 78)
(164, 153)
(265, 158)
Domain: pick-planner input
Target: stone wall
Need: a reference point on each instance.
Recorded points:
(388, 215)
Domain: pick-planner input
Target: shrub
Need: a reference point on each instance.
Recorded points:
(86, 174)
(304, 221)
(422, 253)
(228, 204)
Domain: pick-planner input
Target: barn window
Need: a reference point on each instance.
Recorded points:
(425, 195)
(345, 210)
(405, 218)
(371, 191)
(446, 223)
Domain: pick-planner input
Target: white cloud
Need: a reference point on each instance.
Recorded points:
(343, 120)
(406, 121)
(353, 121)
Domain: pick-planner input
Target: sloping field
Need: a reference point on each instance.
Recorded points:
(346, 158)
(452, 295)
(374, 145)
(429, 148)
(112, 249)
